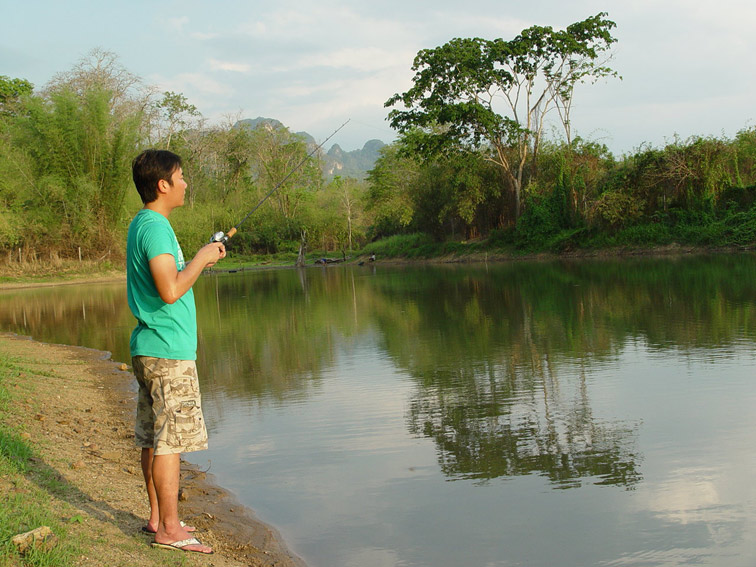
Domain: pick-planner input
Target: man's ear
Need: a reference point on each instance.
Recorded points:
(163, 186)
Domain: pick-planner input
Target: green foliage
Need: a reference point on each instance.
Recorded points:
(65, 168)
(11, 93)
(401, 245)
(13, 89)
(736, 198)
(65, 171)
(337, 222)
(541, 220)
(389, 199)
(177, 114)
(501, 238)
(581, 196)
(65, 156)
(230, 170)
(615, 209)
(451, 105)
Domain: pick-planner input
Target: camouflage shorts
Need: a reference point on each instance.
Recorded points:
(169, 409)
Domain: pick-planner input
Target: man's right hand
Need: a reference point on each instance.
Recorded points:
(211, 253)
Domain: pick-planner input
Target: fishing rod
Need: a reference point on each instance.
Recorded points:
(222, 237)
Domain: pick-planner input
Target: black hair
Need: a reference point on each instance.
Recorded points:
(149, 167)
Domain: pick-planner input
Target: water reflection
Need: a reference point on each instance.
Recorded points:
(501, 358)
(505, 423)
(95, 316)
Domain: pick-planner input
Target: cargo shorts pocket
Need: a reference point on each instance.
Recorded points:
(187, 418)
(186, 422)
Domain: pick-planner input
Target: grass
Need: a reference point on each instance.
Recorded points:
(57, 271)
(35, 493)
(29, 488)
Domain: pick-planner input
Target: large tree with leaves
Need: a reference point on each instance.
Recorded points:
(65, 165)
(493, 96)
(11, 91)
(177, 115)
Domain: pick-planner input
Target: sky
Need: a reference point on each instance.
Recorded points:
(686, 65)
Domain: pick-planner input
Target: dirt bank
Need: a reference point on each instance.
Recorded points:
(81, 421)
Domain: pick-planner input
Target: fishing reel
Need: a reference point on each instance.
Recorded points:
(219, 236)
(222, 237)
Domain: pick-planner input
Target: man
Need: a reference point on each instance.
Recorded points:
(164, 343)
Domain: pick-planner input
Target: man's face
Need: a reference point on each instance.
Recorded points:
(178, 187)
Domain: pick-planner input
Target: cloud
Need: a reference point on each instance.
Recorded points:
(217, 65)
(203, 36)
(324, 25)
(178, 23)
(203, 91)
(253, 29)
(202, 83)
(365, 59)
(317, 107)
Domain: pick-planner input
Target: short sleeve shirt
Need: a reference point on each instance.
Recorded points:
(163, 330)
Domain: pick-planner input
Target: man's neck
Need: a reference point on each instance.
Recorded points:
(159, 207)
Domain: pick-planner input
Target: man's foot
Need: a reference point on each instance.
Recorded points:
(148, 530)
(191, 544)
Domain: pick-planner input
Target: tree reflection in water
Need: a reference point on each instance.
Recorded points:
(501, 358)
(507, 421)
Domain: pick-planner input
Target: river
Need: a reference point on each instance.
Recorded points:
(556, 413)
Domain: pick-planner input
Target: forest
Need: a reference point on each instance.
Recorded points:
(474, 167)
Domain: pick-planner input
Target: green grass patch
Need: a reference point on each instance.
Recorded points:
(416, 245)
(41, 271)
(28, 484)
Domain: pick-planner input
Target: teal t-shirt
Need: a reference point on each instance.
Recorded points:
(163, 330)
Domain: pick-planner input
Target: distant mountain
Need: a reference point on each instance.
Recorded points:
(270, 123)
(335, 162)
(253, 123)
(352, 164)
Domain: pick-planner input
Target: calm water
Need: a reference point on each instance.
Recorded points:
(592, 413)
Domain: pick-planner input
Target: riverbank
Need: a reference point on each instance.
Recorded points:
(67, 443)
(19, 278)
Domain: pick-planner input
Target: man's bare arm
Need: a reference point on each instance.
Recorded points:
(172, 284)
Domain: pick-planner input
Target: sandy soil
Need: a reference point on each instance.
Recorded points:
(82, 416)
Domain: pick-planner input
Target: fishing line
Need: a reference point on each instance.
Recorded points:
(374, 126)
(223, 238)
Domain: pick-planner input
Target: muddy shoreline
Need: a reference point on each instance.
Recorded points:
(105, 458)
(207, 505)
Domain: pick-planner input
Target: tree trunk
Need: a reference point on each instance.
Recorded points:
(302, 250)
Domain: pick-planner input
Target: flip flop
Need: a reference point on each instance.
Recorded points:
(181, 546)
(190, 529)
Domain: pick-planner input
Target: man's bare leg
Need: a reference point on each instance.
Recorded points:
(152, 524)
(165, 477)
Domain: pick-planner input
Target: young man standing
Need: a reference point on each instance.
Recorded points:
(164, 343)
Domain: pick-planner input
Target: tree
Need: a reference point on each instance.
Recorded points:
(389, 195)
(278, 153)
(98, 69)
(458, 87)
(348, 191)
(177, 113)
(102, 70)
(67, 151)
(82, 162)
(11, 90)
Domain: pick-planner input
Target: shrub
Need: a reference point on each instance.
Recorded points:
(615, 209)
